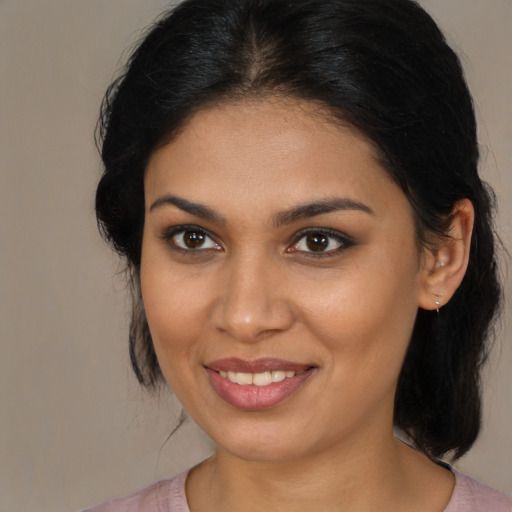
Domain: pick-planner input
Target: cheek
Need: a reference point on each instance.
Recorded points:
(171, 307)
(173, 323)
(177, 312)
(366, 315)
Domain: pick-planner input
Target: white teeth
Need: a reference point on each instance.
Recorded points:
(258, 379)
(243, 378)
(278, 376)
(262, 379)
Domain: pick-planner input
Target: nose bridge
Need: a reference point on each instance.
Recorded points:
(251, 302)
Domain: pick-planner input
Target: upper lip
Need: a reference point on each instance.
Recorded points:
(265, 364)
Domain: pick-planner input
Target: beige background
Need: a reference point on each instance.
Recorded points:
(75, 428)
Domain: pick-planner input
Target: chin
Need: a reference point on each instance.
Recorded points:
(266, 452)
(263, 443)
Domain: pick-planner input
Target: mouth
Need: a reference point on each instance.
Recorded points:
(257, 379)
(259, 384)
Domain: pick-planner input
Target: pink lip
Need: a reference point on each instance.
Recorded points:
(252, 397)
(267, 364)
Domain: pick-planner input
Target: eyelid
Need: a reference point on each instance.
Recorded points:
(171, 232)
(345, 241)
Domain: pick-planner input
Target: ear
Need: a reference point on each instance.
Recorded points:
(445, 263)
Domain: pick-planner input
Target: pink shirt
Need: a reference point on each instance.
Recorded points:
(169, 496)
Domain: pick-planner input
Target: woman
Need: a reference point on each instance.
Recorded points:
(294, 186)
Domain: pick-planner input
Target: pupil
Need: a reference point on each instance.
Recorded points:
(317, 242)
(193, 239)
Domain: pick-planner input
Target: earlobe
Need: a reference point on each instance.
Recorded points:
(445, 263)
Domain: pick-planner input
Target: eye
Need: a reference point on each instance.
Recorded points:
(320, 242)
(191, 239)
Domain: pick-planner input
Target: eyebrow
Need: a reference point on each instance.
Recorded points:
(306, 210)
(319, 208)
(196, 209)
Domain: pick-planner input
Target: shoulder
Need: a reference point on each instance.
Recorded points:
(472, 496)
(163, 496)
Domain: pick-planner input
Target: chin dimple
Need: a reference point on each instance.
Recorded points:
(257, 379)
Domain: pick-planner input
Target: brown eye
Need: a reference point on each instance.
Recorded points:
(193, 240)
(317, 242)
(321, 243)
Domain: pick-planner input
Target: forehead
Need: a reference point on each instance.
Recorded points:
(267, 152)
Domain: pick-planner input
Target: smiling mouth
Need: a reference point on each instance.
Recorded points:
(258, 379)
(259, 384)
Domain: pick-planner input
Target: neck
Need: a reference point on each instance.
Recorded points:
(321, 482)
(335, 480)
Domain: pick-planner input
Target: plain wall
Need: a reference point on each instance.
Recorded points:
(75, 427)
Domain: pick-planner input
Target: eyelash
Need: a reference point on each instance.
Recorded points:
(168, 237)
(342, 239)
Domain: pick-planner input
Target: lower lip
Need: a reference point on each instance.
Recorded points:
(254, 398)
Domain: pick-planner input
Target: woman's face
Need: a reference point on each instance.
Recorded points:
(280, 275)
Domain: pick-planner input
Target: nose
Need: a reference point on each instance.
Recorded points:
(252, 302)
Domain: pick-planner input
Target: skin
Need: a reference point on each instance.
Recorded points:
(255, 289)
